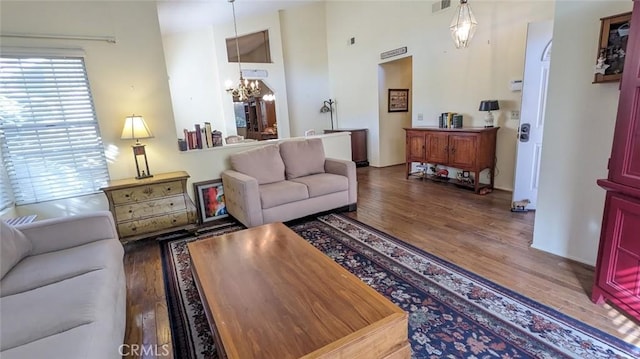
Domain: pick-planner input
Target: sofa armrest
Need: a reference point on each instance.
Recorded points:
(66, 232)
(242, 198)
(347, 169)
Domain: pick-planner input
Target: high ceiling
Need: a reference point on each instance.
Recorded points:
(183, 15)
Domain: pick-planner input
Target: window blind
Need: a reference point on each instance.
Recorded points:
(51, 143)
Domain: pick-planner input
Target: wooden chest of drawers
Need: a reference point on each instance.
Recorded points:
(151, 205)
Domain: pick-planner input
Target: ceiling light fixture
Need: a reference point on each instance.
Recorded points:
(245, 88)
(463, 25)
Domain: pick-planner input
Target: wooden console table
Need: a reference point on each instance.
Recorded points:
(467, 149)
(152, 205)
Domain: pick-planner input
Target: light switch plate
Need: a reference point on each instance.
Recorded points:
(420, 117)
(515, 115)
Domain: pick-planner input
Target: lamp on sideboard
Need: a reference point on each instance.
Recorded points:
(489, 105)
(136, 128)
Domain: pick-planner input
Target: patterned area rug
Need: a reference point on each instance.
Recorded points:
(452, 313)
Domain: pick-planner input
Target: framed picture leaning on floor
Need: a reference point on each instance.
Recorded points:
(210, 200)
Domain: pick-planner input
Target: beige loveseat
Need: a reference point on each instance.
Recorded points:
(62, 288)
(285, 181)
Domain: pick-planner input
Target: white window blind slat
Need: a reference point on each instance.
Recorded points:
(51, 143)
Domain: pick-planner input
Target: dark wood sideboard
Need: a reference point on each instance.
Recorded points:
(358, 144)
(617, 270)
(467, 149)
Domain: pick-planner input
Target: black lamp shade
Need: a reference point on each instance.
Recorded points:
(489, 105)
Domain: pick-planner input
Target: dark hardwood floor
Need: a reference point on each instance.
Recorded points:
(476, 232)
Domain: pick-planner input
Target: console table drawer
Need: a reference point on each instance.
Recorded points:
(143, 193)
(152, 224)
(149, 208)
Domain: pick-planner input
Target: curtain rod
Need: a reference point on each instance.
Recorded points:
(109, 39)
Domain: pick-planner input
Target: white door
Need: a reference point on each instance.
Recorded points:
(534, 102)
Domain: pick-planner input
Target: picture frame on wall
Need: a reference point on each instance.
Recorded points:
(210, 200)
(398, 100)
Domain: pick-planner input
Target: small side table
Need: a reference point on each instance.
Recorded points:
(154, 205)
(358, 145)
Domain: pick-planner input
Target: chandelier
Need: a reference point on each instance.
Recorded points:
(245, 88)
(463, 25)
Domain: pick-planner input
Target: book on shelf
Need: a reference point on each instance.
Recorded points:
(208, 134)
(198, 137)
(449, 120)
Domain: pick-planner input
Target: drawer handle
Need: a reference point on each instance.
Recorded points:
(126, 195)
(130, 211)
(174, 221)
(168, 188)
(171, 204)
(134, 229)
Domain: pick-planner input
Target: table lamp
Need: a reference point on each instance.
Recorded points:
(489, 105)
(136, 128)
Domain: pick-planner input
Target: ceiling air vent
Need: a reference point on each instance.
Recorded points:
(440, 5)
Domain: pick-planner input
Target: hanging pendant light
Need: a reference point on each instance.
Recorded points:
(463, 25)
(245, 88)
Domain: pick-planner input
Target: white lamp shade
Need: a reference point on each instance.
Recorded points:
(135, 128)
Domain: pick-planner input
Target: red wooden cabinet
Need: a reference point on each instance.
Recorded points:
(617, 277)
(617, 280)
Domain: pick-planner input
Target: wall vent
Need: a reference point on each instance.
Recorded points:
(440, 5)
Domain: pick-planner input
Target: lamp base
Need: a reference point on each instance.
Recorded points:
(139, 151)
(488, 120)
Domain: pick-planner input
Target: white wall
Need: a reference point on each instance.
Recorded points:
(197, 66)
(578, 134)
(198, 69)
(395, 74)
(127, 77)
(444, 78)
(194, 82)
(305, 62)
(229, 71)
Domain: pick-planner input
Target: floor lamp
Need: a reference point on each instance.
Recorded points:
(328, 107)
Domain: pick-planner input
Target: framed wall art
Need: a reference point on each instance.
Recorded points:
(210, 200)
(398, 100)
(614, 34)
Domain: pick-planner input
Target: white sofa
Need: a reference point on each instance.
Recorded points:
(62, 289)
(285, 181)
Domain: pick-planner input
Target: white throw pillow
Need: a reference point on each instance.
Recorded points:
(13, 247)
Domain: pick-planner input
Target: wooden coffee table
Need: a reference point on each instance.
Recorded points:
(270, 294)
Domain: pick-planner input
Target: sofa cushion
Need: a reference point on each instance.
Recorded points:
(323, 183)
(54, 308)
(263, 163)
(277, 193)
(47, 268)
(302, 157)
(13, 247)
